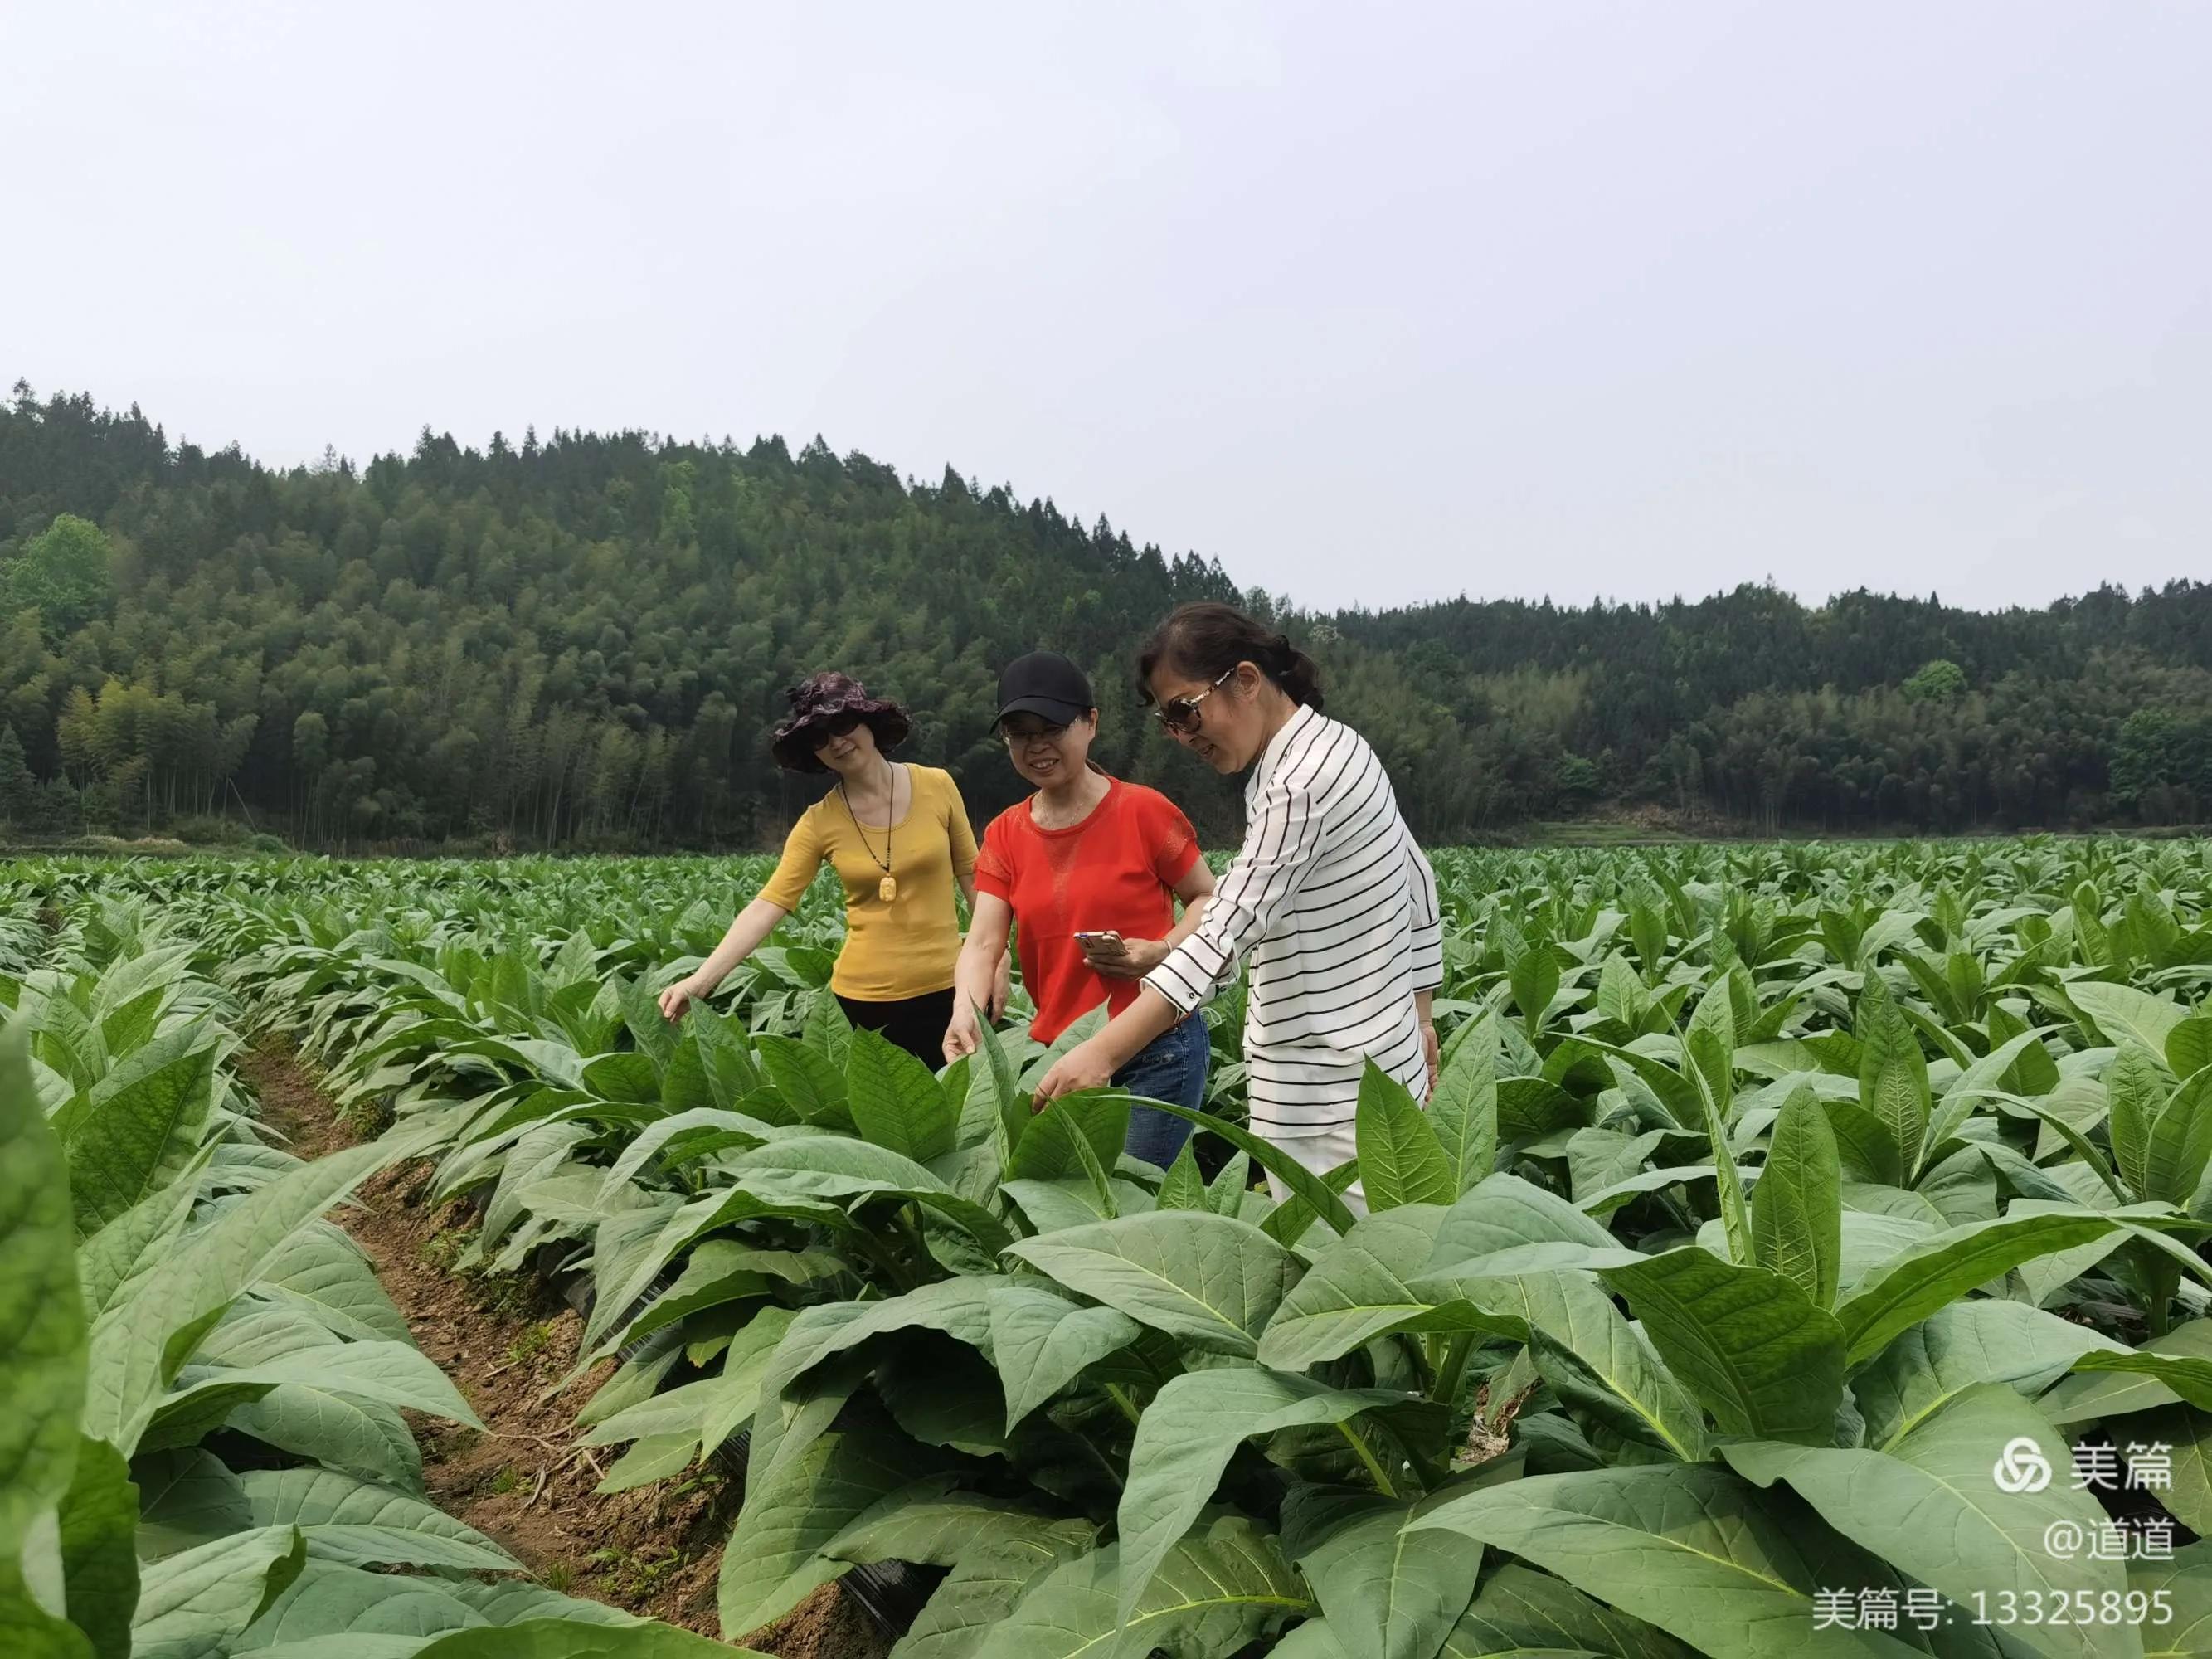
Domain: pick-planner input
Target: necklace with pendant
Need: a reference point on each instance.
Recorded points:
(887, 889)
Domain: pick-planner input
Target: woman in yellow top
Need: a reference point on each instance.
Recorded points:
(899, 838)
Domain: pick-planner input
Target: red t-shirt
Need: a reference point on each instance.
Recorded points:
(1113, 873)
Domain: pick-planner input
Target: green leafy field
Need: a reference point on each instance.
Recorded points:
(1775, 1200)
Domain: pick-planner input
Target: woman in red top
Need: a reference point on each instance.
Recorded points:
(1089, 866)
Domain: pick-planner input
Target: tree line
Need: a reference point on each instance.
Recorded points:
(582, 641)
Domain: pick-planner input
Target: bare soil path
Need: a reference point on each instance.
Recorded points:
(654, 1550)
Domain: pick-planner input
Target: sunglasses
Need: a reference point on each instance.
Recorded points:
(1180, 714)
(842, 725)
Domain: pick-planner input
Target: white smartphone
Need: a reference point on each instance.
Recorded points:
(1106, 944)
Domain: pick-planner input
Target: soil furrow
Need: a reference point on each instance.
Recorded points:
(506, 1341)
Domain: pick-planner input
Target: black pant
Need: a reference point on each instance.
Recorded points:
(914, 1024)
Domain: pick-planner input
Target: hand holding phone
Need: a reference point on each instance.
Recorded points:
(1103, 944)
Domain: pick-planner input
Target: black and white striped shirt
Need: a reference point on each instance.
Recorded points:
(1335, 908)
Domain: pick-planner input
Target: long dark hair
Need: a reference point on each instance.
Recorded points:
(1206, 640)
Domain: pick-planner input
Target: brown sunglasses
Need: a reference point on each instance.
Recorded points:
(1180, 714)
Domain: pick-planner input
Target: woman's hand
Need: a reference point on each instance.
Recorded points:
(1140, 957)
(1002, 987)
(1083, 1066)
(678, 997)
(963, 1036)
(1431, 1052)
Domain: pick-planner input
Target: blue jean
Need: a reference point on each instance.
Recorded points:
(1171, 1068)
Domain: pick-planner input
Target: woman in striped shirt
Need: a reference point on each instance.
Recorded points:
(1330, 902)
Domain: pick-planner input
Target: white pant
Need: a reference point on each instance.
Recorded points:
(1321, 1153)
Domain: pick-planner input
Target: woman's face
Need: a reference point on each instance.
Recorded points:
(1046, 753)
(847, 745)
(1220, 720)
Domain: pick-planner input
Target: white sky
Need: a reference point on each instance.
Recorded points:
(1374, 304)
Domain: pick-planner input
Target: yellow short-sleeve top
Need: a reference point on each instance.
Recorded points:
(906, 947)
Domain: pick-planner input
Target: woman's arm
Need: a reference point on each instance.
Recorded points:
(753, 924)
(1001, 987)
(976, 976)
(1428, 955)
(1195, 889)
(778, 898)
(1091, 1063)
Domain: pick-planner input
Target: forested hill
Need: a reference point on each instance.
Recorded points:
(583, 641)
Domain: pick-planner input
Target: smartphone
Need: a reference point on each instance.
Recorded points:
(1103, 944)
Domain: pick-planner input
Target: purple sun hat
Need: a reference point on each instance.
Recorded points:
(821, 699)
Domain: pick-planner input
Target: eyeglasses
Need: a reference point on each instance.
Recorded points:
(1180, 714)
(1017, 738)
(842, 725)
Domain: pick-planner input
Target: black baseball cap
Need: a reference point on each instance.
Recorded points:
(1045, 683)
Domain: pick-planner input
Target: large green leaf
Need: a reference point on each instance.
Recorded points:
(1960, 1347)
(1042, 1342)
(1463, 1112)
(1320, 1199)
(1400, 1160)
(142, 1342)
(385, 1373)
(129, 1247)
(1931, 1506)
(2183, 1629)
(564, 1638)
(1080, 1141)
(2180, 1146)
(1936, 1271)
(1595, 1359)
(361, 1437)
(1357, 1290)
(334, 1611)
(979, 1593)
(2135, 1087)
(139, 1125)
(42, 1338)
(839, 1168)
(324, 1273)
(1502, 1213)
(1696, 1550)
(930, 1524)
(1973, 1087)
(2141, 1385)
(1797, 1208)
(2122, 1012)
(1385, 1588)
(1892, 1073)
(1746, 1340)
(810, 1082)
(773, 1558)
(699, 1129)
(100, 1566)
(1709, 1061)
(2187, 1494)
(1209, 1280)
(186, 1499)
(362, 1524)
(1533, 1615)
(895, 1100)
(1187, 1434)
(1215, 1591)
(192, 1605)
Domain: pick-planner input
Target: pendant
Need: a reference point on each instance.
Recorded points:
(887, 889)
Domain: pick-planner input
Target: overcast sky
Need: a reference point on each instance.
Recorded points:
(1374, 304)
